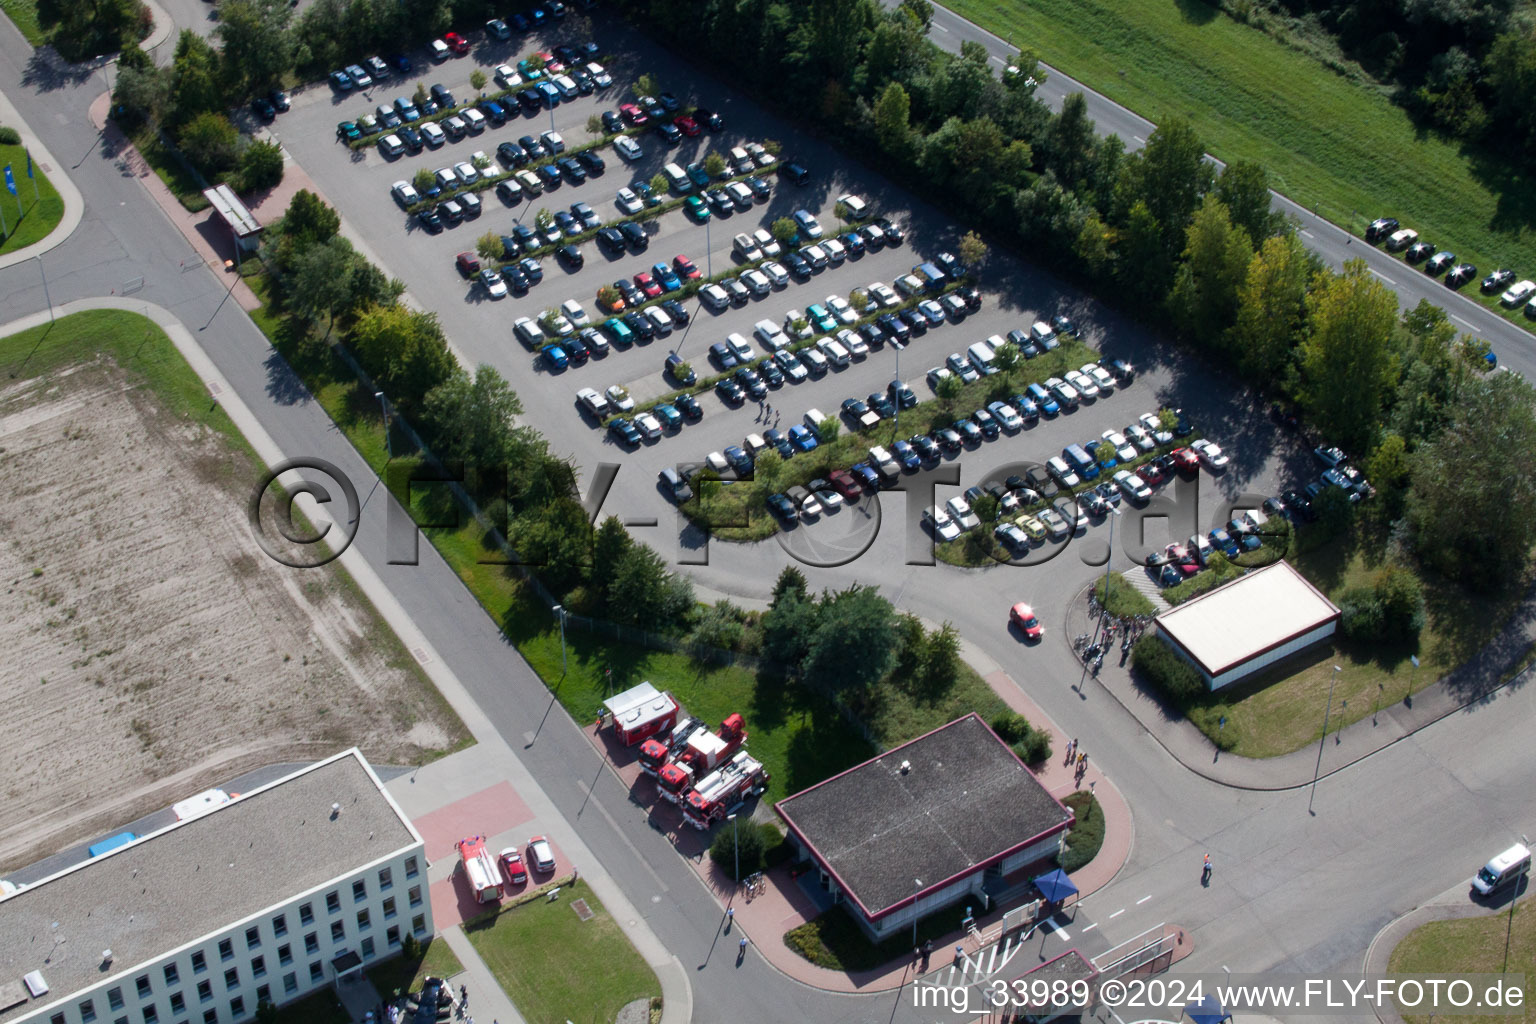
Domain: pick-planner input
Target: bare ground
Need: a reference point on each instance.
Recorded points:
(150, 649)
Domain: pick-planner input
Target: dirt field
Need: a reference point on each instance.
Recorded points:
(151, 648)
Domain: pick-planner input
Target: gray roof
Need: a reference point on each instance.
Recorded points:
(198, 877)
(966, 801)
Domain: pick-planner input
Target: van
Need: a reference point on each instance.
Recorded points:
(740, 160)
(677, 179)
(932, 277)
(567, 86)
(474, 120)
(530, 182)
(1510, 866)
(549, 94)
(981, 358)
(834, 351)
(1083, 464)
(813, 420)
(1061, 472)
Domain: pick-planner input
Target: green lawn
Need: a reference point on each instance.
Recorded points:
(36, 216)
(23, 14)
(1326, 141)
(556, 967)
(406, 974)
(1471, 945)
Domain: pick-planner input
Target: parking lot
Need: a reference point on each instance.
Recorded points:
(1014, 295)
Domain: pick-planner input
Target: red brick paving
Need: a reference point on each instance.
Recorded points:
(489, 812)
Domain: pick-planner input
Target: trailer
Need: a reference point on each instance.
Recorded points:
(719, 793)
(640, 713)
(480, 869)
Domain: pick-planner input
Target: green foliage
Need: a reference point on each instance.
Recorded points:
(595, 126)
(261, 167)
(470, 418)
(9, 136)
(1271, 312)
(948, 389)
(787, 629)
(477, 79)
(941, 660)
(406, 353)
(645, 85)
(740, 843)
(1349, 362)
(257, 46)
(308, 221)
(714, 165)
(1173, 677)
(489, 246)
(644, 593)
(141, 96)
(659, 183)
(320, 282)
(1122, 599)
(720, 626)
(986, 508)
(1034, 749)
(1011, 727)
(1204, 300)
(784, 230)
(1243, 189)
(208, 140)
(854, 643)
(972, 250)
(1086, 836)
(1171, 176)
(828, 429)
(196, 79)
(82, 29)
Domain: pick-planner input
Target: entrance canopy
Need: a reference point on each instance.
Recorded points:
(1056, 886)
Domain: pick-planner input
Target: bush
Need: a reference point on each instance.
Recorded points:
(208, 140)
(1400, 596)
(1010, 727)
(261, 167)
(1035, 748)
(745, 841)
(1122, 599)
(1361, 618)
(1175, 678)
(9, 136)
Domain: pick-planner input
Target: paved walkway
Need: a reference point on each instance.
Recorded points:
(486, 997)
(1474, 684)
(74, 204)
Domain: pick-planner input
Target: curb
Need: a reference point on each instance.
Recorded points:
(74, 203)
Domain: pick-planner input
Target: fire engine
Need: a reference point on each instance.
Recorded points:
(718, 793)
(700, 755)
(640, 713)
(480, 869)
(655, 752)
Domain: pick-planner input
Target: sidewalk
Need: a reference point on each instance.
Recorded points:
(1471, 684)
(485, 996)
(74, 204)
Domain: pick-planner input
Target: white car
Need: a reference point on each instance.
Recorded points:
(944, 528)
(853, 343)
(760, 155)
(856, 208)
(830, 499)
(1124, 450)
(433, 135)
(1518, 293)
(1154, 426)
(1011, 535)
(1138, 436)
(600, 76)
(1084, 384)
(767, 243)
(770, 335)
(747, 248)
(648, 425)
(777, 275)
(628, 148)
(1007, 416)
(618, 397)
(495, 287)
(1132, 486)
(836, 251)
(574, 313)
(961, 510)
(793, 368)
(447, 178)
(757, 281)
(541, 856)
(909, 285)
(840, 308)
(1054, 523)
(629, 202)
(713, 296)
(405, 193)
(1100, 376)
(793, 317)
(883, 296)
(661, 320)
(507, 76)
(739, 346)
(1210, 453)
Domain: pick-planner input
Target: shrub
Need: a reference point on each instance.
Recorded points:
(1035, 748)
(208, 140)
(1361, 618)
(743, 840)
(1010, 727)
(9, 136)
(1175, 678)
(261, 167)
(1400, 596)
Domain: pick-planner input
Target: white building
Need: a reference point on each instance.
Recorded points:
(265, 898)
(1248, 624)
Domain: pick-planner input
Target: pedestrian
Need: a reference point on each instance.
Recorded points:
(1082, 759)
(730, 913)
(743, 945)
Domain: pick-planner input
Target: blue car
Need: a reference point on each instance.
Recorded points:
(906, 455)
(666, 277)
(1222, 541)
(802, 438)
(670, 418)
(740, 461)
(406, 109)
(556, 357)
(854, 243)
(779, 442)
(1044, 400)
(625, 431)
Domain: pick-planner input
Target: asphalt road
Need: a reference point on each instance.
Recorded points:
(1292, 890)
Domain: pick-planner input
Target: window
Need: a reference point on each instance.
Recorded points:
(199, 962)
(386, 878)
(57, 1018)
(393, 935)
(142, 981)
(290, 983)
(150, 1014)
(172, 974)
(389, 908)
(414, 894)
(226, 949)
(115, 999)
(87, 1011)
(333, 902)
(253, 938)
(237, 1007)
(280, 925)
(419, 924)
(316, 972)
(359, 891)
(363, 923)
(120, 1020)
(259, 966)
(306, 914)
(284, 955)
(178, 1004)
(210, 1017)
(410, 867)
(311, 943)
(231, 979)
(204, 991)
(263, 995)
(367, 948)
(338, 931)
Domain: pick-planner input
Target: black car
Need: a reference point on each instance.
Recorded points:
(591, 161)
(968, 430)
(669, 132)
(511, 154)
(760, 187)
(1460, 274)
(635, 235)
(532, 268)
(572, 170)
(794, 172)
(782, 507)
(749, 380)
(1419, 251)
(971, 296)
(771, 374)
(527, 238)
(677, 311)
(612, 122)
(530, 100)
(610, 240)
(904, 396)
(1297, 505)
(622, 429)
(720, 201)
(915, 321)
(514, 276)
(279, 100)
(549, 174)
(798, 265)
(430, 219)
(571, 256)
(1063, 325)
(1439, 262)
(872, 335)
(873, 236)
(708, 119)
(411, 138)
(627, 288)
(264, 108)
(893, 235)
(1380, 228)
(640, 326)
(575, 350)
(927, 448)
(1497, 280)
(882, 406)
(854, 409)
(947, 439)
(688, 406)
(894, 326)
(729, 391)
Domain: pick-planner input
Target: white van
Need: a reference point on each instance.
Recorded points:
(567, 86)
(677, 178)
(1510, 866)
(833, 350)
(813, 419)
(981, 358)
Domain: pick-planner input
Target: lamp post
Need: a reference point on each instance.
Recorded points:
(735, 846)
(384, 412)
(896, 399)
(1513, 899)
(1104, 605)
(560, 609)
(917, 887)
(1324, 737)
(709, 252)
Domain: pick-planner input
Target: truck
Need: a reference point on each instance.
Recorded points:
(703, 753)
(718, 793)
(111, 843)
(656, 752)
(639, 713)
(479, 867)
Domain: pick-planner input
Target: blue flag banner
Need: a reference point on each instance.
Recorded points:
(10, 180)
(29, 163)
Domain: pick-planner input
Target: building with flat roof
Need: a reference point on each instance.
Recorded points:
(242, 223)
(1248, 624)
(925, 825)
(264, 898)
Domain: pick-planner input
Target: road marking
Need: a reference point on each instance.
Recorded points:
(1143, 899)
(1139, 139)
(1461, 321)
(1090, 927)
(1117, 913)
(1306, 234)
(941, 28)
(1000, 61)
(1384, 277)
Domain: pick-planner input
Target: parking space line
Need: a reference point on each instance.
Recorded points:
(1384, 277)
(1305, 233)
(1139, 139)
(1090, 927)
(1461, 320)
(1117, 913)
(1143, 899)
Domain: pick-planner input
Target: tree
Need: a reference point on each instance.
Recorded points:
(404, 351)
(972, 251)
(1006, 358)
(1389, 469)
(543, 220)
(919, 12)
(1171, 176)
(256, 43)
(714, 165)
(1092, 244)
(645, 85)
(141, 96)
(1140, 263)
(858, 299)
(209, 140)
(481, 161)
(644, 593)
(893, 128)
(477, 80)
(787, 629)
(828, 429)
(791, 581)
(196, 79)
(1348, 363)
(719, 626)
(941, 659)
(659, 183)
(986, 508)
(308, 221)
(608, 297)
(1271, 312)
(261, 166)
(784, 229)
(595, 126)
(423, 180)
(768, 469)
(1104, 452)
(471, 418)
(421, 97)
(81, 29)
(1070, 146)
(1463, 527)
(740, 847)
(854, 644)
(489, 246)
(1244, 189)
(554, 538)
(320, 281)
(948, 389)
(1204, 300)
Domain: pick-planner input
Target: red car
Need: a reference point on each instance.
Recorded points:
(1179, 555)
(551, 62)
(512, 864)
(457, 43)
(687, 125)
(685, 268)
(1151, 474)
(1023, 616)
(633, 114)
(844, 483)
(1186, 458)
(647, 284)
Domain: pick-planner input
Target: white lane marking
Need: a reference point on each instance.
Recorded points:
(1462, 321)
(1059, 930)
(1384, 277)
(941, 28)
(1090, 927)
(1306, 234)
(1139, 139)
(1143, 899)
(1117, 913)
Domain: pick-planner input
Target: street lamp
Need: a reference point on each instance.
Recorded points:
(896, 399)
(560, 610)
(384, 412)
(917, 887)
(1324, 737)
(709, 252)
(735, 846)
(1104, 605)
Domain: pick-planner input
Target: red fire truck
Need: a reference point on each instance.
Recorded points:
(640, 713)
(721, 791)
(700, 755)
(656, 752)
(480, 869)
